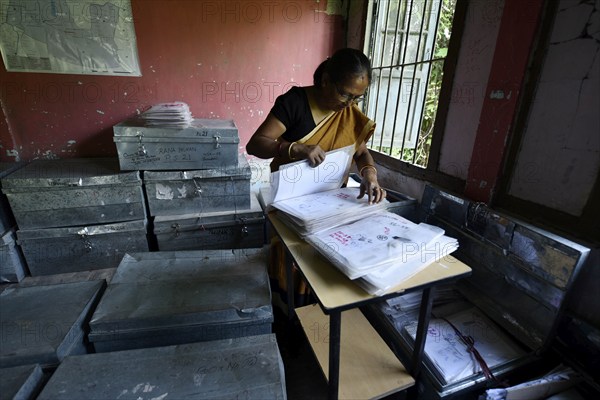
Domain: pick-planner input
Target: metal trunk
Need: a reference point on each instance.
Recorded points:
(249, 368)
(80, 248)
(214, 230)
(12, 263)
(166, 298)
(44, 324)
(206, 143)
(73, 192)
(199, 191)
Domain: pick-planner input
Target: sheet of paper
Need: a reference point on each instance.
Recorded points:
(299, 178)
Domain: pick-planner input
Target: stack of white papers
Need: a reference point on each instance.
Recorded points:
(553, 385)
(382, 249)
(447, 355)
(311, 199)
(385, 278)
(316, 212)
(168, 115)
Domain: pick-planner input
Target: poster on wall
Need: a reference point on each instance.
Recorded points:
(68, 37)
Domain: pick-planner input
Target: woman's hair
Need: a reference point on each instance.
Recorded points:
(344, 63)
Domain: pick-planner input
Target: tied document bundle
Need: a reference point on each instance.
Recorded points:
(372, 246)
(448, 356)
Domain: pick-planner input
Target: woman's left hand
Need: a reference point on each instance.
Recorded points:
(370, 186)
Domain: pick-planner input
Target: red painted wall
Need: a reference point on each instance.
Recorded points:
(227, 59)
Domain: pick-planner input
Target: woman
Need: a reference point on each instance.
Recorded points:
(306, 122)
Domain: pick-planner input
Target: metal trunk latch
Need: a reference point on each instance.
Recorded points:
(244, 227)
(175, 227)
(198, 189)
(141, 148)
(87, 244)
(217, 144)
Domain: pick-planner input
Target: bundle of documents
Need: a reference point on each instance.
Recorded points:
(403, 310)
(382, 249)
(316, 212)
(310, 199)
(554, 382)
(444, 294)
(169, 115)
(447, 355)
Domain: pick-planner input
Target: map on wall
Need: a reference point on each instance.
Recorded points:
(68, 37)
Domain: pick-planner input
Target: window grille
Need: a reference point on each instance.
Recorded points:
(407, 43)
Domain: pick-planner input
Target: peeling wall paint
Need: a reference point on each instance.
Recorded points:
(559, 157)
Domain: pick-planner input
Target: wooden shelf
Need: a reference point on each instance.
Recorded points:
(368, 368)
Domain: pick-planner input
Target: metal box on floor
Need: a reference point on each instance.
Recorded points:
(521, 278)
(22, 382)
(43, 324)
(12, 263)
(7, 219)
(213, 230)
(199, 191)
(248, 368)
(72, 192)
(80, 248)
(206, 143)
(166, 298)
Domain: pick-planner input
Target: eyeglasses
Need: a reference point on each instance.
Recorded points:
(348, 97)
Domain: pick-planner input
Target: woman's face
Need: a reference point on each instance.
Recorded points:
(339, 95)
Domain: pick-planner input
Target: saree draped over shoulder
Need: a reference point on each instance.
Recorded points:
(337, 130)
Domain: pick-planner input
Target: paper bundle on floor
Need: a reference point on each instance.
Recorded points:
(448, 356)
(384, 248)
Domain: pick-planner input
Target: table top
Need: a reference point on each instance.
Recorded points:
(335, 291)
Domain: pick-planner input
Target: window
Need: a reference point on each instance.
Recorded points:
(407, 42)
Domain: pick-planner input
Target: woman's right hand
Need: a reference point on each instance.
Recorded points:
(312, 153)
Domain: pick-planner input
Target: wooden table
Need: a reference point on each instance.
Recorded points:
(336, 293)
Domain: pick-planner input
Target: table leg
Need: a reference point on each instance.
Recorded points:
(289, 280)
(335, 323)
(424, 317)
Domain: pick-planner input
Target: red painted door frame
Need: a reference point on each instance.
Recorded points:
(516, 37)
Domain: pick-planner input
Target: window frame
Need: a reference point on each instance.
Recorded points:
(431, 173)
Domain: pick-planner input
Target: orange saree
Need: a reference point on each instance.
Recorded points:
(337, 130)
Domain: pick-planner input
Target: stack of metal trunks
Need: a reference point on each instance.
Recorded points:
(12, 263)
(180, 239)
(196, 184)
(76, 214)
